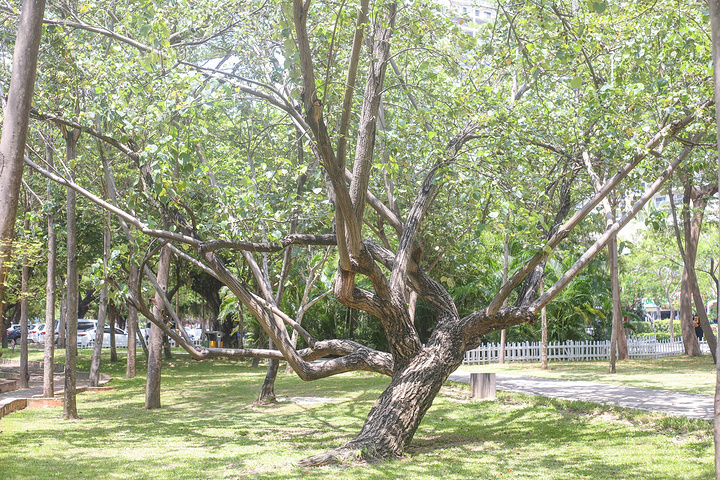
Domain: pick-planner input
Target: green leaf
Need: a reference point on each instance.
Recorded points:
(576, 82)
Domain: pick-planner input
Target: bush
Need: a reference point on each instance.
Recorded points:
(662, 329)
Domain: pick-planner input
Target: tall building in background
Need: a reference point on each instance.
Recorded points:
(469, 14)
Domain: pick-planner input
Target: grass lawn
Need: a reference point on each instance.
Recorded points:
(208, 429)
(681, 374)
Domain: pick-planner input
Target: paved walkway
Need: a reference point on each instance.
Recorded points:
(12, 370)
(672, 403)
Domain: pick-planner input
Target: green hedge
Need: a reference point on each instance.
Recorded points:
(662, 329)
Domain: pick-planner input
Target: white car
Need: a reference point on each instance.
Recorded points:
(121, 337)
(35, 333)
(86, 333)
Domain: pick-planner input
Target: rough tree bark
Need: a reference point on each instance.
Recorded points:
(694, 202)
(103, 309)
(152, 392)
(50, 296)
(70, 406)
(393, 421)
(714, 6)
(24, 381)
(15, 126)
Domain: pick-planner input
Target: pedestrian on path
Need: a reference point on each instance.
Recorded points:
(698, 328)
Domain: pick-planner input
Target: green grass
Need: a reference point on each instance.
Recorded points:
(681, 374)
(208, 428)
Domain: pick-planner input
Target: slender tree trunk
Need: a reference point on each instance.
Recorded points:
(24, 292)
(694, 202)
(152, 392)
(113, 317)
(692, 349)
(543, 331)
(132, 328)
(617, 330)
(63, 319)
(702, 315)
(241, 327)
(672, 320)
(102, 313)
(612, 247)
(15, 126)
(50, 297)
(506, 268)
(622, 339)
(267, 392)
(167, 351)
(714, 6)
(70, 406)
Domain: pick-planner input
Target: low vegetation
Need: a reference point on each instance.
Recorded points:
(209, 428)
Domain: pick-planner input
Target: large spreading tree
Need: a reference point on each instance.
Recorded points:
(416, 138)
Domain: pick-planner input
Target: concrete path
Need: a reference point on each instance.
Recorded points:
(663, 401)
(11, 401)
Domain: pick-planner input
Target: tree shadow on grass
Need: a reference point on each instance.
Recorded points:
(551, 436)
(210, 413)
(208, 424)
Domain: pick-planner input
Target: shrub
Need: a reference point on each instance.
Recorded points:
(662, 329)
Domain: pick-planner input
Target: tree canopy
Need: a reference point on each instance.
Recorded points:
(249, 137)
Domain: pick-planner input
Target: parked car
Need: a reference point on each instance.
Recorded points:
(88, 336)
(14, 334)
(86, 333)
(121, 337)
(42, 334)
(34, 333)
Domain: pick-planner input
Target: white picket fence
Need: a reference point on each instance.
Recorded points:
(645, 347)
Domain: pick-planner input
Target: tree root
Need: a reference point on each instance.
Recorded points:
(347, 455)
(267, 400)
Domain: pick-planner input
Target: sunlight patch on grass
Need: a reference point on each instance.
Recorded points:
(681, 374)
(208, 428)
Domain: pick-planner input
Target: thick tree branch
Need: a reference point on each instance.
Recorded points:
(347, 225)
(365, 144)
(64, 123)
(563, 281)
(283, 243)
(120, 213)
(344, 126)
(554, 241)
